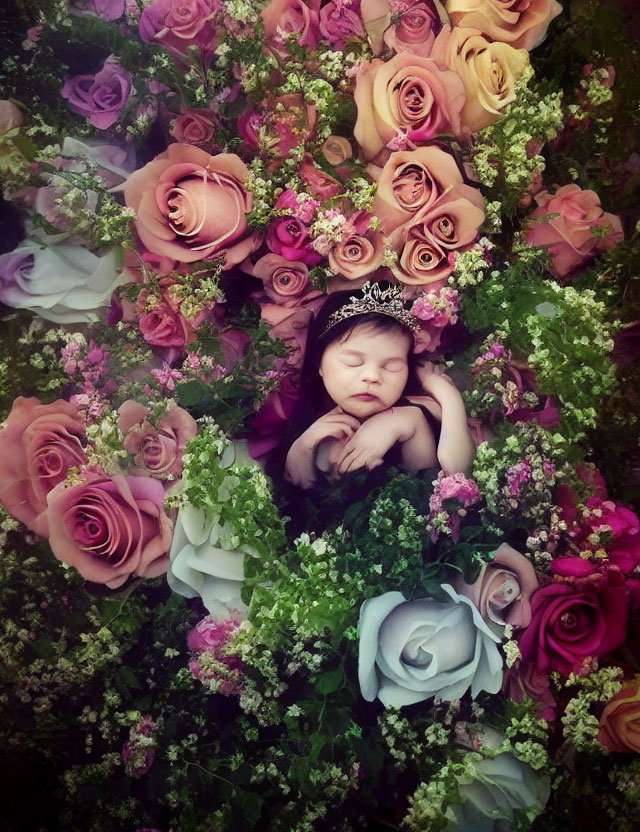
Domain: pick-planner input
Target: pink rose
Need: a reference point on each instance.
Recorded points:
(38, 445)
(100, 97)
(284, 17)
(290, 325)
(234, 346)
(209, 634)
(321, 185)
(192, 206)
(111, 528)
(409, 96)
(178, 25)
(291, 120)
(336, 150)
(410, 27)
(426, 244)
(581, 230)
(194, 127)
(361, 249)
(503, 589)
(285, 282)
(522, 23)
(162, 325)
(290, 238)
(574, 623)
(248, 125)
(340, 22)
(410, 181)
(157, 451)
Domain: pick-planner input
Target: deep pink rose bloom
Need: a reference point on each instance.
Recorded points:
(194, 127)
(527, 680)
(177, 25)
(570, 236)
(38, 445)
(340, 21)
(271, 420)
(575, 622)
(100, 97)
(209, 634)
(157, 451)
(109, 528)
(290, 237)
(292, 16)
(163, 325)
(248, 126)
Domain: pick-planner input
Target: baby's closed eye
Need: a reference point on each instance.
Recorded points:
(394, 365)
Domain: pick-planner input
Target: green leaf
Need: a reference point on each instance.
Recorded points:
(330, 682)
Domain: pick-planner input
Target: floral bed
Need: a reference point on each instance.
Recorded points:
(184, 182)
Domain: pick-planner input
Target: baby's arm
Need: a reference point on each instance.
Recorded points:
(300, 466)
(405, 424)
(456, 450)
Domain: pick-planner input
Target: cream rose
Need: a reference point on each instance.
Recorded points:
(410, 181)
(489, 72)
(426, 245)
(522, 23)
(408, 96)
(192, 206)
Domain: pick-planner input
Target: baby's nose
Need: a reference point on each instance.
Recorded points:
(370, 373)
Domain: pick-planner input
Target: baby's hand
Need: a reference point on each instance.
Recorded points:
(434, 380)
(366, 449)
(299, 466)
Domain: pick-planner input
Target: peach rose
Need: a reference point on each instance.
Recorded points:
(192, 206)
(411, 181)
(503, 589)
(411, 28)
(282, 17)
(489, 72)
(109, 528)
(620, 720)
(285, 282)
(570, 236)
(408, 98)
(194, 127)
(361, 249)
(38, 445)
(425, 245)
(337, 150)
(290, 325)
(157, 451)
(522, 23)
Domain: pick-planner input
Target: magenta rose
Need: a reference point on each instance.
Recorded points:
(38, 445)
(178, 25)
(157, 451)
(100, 97)
(340, 22)
(575, 622)
(580, 230)
(109, 528)
(290, 238)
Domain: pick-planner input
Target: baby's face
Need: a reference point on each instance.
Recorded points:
(366, 372)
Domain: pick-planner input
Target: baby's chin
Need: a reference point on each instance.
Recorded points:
(363, 410)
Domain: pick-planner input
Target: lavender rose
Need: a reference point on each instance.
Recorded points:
(100, 97)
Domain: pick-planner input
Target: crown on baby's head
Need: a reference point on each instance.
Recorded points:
(383, 300)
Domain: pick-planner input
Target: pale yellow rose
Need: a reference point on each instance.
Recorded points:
(489, 72)
(522, 23)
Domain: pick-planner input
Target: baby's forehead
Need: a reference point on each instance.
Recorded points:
(392, 339)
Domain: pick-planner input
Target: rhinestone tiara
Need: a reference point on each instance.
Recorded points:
(375, 298)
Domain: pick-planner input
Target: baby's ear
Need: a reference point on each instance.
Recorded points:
(320, 373)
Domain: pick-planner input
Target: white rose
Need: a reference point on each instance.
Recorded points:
(205, 563)
(63, 284)
(412, 650)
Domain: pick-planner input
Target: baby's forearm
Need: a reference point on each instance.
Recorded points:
(456, 449)
(418, 442)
